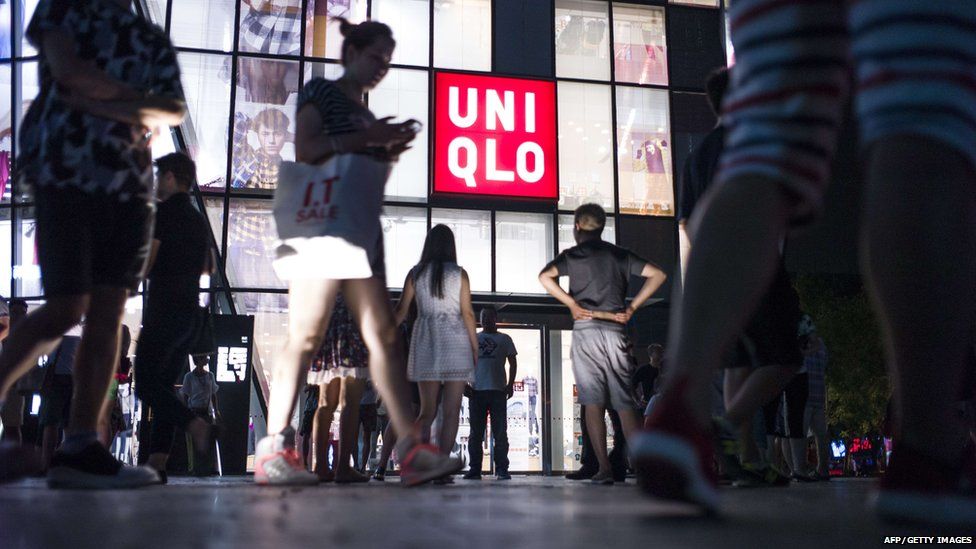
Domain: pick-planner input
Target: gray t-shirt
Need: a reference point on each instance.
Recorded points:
(199, 389)
(493, 350)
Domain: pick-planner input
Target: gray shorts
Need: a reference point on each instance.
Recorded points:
(603, 368)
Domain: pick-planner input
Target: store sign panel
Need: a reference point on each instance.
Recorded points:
(495, 136)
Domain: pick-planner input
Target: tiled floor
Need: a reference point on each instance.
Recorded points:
(526, 512)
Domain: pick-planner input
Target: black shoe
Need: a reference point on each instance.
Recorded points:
(472, 475)
(163, 477)
(619, 476)
(380, 474)
(503, 475)
(96, 468)
(582, 474)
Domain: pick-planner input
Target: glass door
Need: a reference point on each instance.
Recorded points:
(525, 408)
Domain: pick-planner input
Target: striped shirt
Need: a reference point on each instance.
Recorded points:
(340, 114)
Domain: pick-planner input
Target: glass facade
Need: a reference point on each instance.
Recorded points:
(244, 64)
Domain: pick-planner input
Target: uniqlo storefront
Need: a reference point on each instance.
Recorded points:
(530, 108)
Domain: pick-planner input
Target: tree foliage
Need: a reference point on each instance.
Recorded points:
(858, 388)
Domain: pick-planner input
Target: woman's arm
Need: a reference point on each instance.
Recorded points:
(314, 146)
(406, 298)
(467, 312)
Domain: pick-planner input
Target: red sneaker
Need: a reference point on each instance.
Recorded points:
(673, 457)
(919, 489)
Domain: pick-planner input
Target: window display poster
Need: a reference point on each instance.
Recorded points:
(645, 174)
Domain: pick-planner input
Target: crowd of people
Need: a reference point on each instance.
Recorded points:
(85, 151)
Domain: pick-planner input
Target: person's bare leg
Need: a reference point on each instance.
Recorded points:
(322, 428)
(734, 379)
(715, 309)
(596, 427)
(389, 442)
(311, 303)
(37, 334)
(823, 454)
(352, 393)
(429, 394)
(96, 359)
(920, 262)
(367, 449)
(451, 405)
(49, 443)
(369, 302)
(630, 421)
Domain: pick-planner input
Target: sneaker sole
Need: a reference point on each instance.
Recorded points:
(449, 468)
(918, 508)
(74, 479)
(665, 466)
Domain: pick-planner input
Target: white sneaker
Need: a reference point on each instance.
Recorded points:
(276, 462)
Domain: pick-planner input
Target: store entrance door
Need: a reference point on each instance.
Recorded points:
(525, 408)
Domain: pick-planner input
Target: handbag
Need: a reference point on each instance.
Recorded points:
(328, 217)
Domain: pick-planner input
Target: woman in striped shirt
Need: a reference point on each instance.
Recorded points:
(332, 119)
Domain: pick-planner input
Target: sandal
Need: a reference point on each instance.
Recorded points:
(425, 463)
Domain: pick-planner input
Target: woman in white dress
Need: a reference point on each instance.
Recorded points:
(444, 346)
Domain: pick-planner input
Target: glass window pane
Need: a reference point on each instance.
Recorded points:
(585, 145)
(644, 152)
(565, 427)
(639, 45)
(566, 239)
(709, 3)
(29, 88)
(322, 37)
(157, 12)
(263, 122)
(271, 27)
(6, 131)
(403, 94)
(472, 234)
(6, 39)
(582, 40)
(462, 35)
(206, 82)
(404, 230)
(28, 6)
(215, 213)
(330, 71)
(410, 21)
(5, 251)
(251, 241)
(523, 247)
(27, 271)
(205, 24)
(270, 312)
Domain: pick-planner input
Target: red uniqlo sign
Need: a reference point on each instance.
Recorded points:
(495, 136)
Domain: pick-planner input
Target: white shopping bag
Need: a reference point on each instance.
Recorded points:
(328, 217)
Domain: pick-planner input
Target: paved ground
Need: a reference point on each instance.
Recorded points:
(527, 512)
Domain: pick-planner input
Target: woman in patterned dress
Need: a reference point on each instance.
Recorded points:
(444, 347)
(341, 373)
